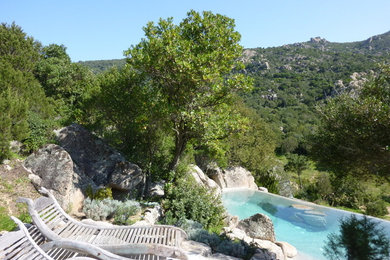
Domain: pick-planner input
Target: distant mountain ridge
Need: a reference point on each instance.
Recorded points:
(375, 45)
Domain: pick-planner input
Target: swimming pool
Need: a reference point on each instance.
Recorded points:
(302, 224)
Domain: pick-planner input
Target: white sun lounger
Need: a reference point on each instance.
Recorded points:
(142, 242)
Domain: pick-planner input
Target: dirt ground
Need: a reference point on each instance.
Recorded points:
(14, 183)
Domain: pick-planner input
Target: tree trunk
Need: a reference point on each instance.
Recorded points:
(300, 181)
(180, 145)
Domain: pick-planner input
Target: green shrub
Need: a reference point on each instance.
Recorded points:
(348, 192)
(269, 181)
(376, 208)
(99, 194)
(125, 210)
(40, 132)
(185, 199)
(99, 209)
(107, 208)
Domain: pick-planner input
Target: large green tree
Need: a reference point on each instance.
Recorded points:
(20, 93)
(297, 163)
(354, 131)
(69, 84)
(191, 67)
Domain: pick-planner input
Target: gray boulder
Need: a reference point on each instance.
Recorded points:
(203, 180)
(258, 226)
(103, 164)
(126, 176)
(195, 249)
(93, 157)
(239, 177)
(156, 190)
(216, 174)
(52, 167)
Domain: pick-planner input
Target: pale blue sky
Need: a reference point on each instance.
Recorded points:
(103, 29)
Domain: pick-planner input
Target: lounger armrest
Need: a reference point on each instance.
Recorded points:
(82, 247)
(29, 202)
(43, 191)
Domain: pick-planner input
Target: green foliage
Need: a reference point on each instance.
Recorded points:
(269, 181)
(100, 66)
(124, 211)
(297, 163)
(40, 132)
(360, 239)
(69, 84)
(189, 66)
(130, 116)
(187, 200)
(13, 124)
(17, 49)
(99, 194)
(353, 136)
(108, 208)
(252, 147)
(7, 224)
(20, 93)
(376, 208)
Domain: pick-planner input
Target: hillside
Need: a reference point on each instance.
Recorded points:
(292, 79)
(98, 66)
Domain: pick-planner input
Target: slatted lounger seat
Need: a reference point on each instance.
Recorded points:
(142, 242)
(30, 244)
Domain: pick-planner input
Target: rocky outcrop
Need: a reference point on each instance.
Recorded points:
(156, 190)
(287, 249)
(52, 167)
(151, 216)
(82, 160)
(100, 162)
(126, 176)
(203, 180)
(195, 249)
(258, 226)
(258, 231)
(267, 249)
(232, 177)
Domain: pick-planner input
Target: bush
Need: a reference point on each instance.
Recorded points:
(185, 199)
(39, 132)
(125, 210)
(108, 208)
(99, 194)
(376, 208)
(359, 239)
(99, 209)
(269, 181)
(348, 192)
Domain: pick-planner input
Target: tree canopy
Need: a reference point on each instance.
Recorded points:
(354, 131)
(191, 66)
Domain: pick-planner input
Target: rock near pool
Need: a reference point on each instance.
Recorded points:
(258, 226)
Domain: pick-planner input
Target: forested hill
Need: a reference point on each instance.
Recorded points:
(291, 79)
(98, 66)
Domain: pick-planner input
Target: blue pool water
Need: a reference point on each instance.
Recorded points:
(306, 229)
